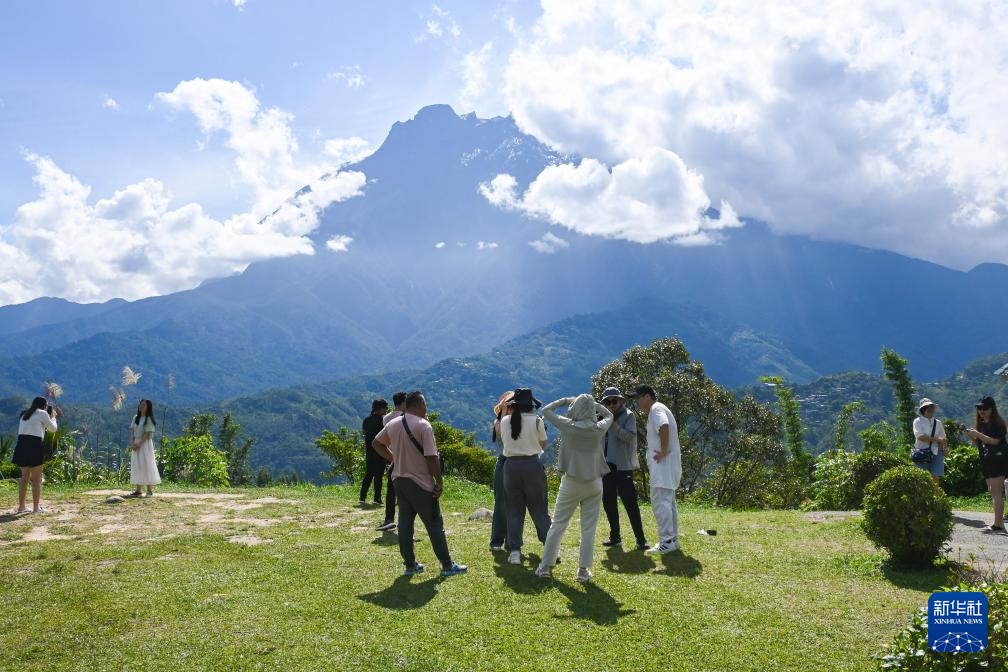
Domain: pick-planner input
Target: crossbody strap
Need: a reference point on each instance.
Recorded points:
(410, 435)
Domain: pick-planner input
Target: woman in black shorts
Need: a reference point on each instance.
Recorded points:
(29, 453)
(989, 436)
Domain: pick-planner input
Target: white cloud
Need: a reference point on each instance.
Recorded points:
(240, 4)
(347, 150)
(440, 23)
(339, 243)
(111, 103)
(480, 245)
(474, 75)
(439, 245)
(137, 243)
(350, 75)
(643, 200)
(501, 190)
(879, 124)
(549, 244)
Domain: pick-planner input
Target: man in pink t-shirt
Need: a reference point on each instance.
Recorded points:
(408, 442)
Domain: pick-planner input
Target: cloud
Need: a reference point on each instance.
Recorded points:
(136, 242)
(339, 243)
(440, 23)
(642, 200)
(240, 4)
(474, 75)
(549, 244)
(350, 75)
(439, 245)
(347, 150)
(111, 103)
(480, 245)
(847, 120)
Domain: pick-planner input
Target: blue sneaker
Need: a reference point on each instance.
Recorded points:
(415, 569)
(454, 569)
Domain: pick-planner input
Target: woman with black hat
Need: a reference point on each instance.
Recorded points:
(524, 436)
(29, 453)
(989, 436)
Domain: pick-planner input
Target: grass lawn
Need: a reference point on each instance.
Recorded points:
(297, 579)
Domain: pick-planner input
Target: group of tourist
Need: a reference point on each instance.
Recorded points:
(988, 434)
(597, 459)
(30, 450)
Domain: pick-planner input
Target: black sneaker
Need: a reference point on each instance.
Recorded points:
(612, 542)
(642, 545)
(386, 527)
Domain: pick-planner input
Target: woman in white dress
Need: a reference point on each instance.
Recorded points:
(143, 465)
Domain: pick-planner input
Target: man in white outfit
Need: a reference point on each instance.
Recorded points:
(665, 465)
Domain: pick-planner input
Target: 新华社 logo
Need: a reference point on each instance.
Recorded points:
(957, 622)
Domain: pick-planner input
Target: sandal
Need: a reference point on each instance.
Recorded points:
(991, 529)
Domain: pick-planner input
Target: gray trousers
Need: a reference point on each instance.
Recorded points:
(525, 486)
(415, 501)
(498, 526)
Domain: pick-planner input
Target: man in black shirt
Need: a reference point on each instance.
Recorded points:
(375, 464)
(399, 399)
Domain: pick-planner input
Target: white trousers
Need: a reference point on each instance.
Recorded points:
(666, 513)
(574, 493)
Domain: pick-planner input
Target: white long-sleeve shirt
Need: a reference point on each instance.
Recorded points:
(37, 424)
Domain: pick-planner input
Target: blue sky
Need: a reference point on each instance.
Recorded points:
(61, 61)
(144, 145)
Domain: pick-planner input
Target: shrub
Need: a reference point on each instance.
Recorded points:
(910, 651)
(907, 515)
(345, 450)
(963, 477)
(881, 437)
(193, 459)
(830, 480)
(472, 463)
(865, 468)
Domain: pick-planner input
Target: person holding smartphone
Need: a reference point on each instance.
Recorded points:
(989, 436)
(29, 453)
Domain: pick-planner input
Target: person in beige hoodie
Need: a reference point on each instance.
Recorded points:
(582, 464)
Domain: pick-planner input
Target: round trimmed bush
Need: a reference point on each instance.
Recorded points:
(907, 515)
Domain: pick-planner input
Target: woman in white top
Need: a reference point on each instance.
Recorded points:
(143, 465)
(30, 453)
(524, 437)
(930, 435)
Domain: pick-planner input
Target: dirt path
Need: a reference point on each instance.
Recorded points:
(969, 544)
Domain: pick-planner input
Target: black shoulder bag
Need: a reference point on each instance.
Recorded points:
(925, 455)
(417, 443)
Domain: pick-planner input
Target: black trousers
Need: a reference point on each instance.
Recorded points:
(620, 485)
(415, 501)
(390, 498)
(374, 472)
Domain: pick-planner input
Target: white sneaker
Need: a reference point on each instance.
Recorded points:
(544, 572)
(664, 547)
(514, 558)
(584, 575)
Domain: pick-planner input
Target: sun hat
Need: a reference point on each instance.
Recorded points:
(611, 392)
(924, 403)
(503, 402)
(523, 397)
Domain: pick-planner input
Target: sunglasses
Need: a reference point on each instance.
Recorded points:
(610, 402)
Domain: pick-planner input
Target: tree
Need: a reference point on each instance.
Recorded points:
(715, 428)
(200, 425)
(843, 423)
(263, 477)
(345, 450)
(239, 471)
(896, 371)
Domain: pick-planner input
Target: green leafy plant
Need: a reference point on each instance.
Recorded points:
(194, 459)
(910, 650)
(345, 450)
(865, 468)
(831, 480)
(895, 370)
(908, 515)
(963, 476)
(882, 437)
